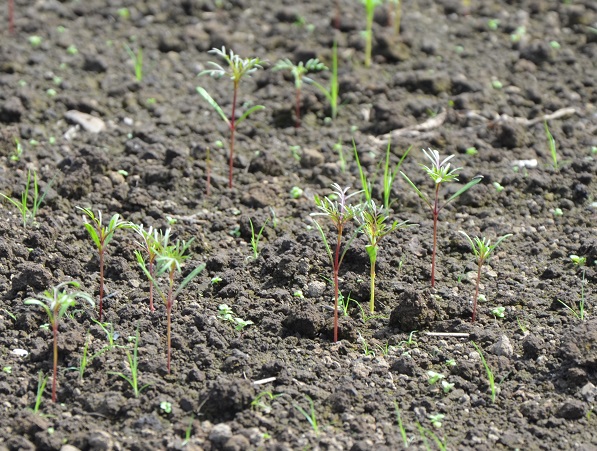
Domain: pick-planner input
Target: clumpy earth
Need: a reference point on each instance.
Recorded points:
(472, 80)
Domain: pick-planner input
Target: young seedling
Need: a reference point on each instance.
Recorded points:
(440, 173)
(169, 261)
(579, 311)
(151, 243)
(28, 214)
(310, 415)
(482, 248)
(255, 238)
(133, 365)
(17, 152)
(137, 59)
(225, 313)
(101, 236)
(552, 146)
(299, 71)
(237, 69)
(490, 376)
(41, 386)
(330, 94)
(56, 302)
(374, 225)
(340, 213)
(370, 6)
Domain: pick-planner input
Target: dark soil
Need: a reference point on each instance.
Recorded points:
(470, 85)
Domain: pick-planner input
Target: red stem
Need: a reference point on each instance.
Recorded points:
(336, 291)
(337, 18)
(169, 318)
(151, 307)
(11, 16)
(476, 298)
(297, 122)
(101, 282)
(55, 372)
(232, 130)
(435, 219)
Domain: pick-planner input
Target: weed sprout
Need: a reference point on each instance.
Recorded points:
(440, 172)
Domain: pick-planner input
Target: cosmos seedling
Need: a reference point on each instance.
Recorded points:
(101, 236)
(237, 69)
(340, 212)
(375, 226)
(151, 243)
(28, 214)
(169, 261)
(370, 6)
(299, 71)
(55, 303)
(440, 172)
(482, 248)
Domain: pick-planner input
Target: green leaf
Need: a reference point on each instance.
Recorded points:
(213, 103)
(188, 278)
(372, 252)
(249, 111)
(465, 188)
(417, 190)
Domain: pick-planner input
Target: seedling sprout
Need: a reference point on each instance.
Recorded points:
(340, 213)
(440, 172)
(55, 303)
(237, 69)
(299, 71)
(482, 250)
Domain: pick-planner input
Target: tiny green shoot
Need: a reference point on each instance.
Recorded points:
(310, 415)
(28, 214)
(482, 248)
(490, 376)
(133, 366)
(41, 386)
(552, 146)
(330, 94)
(256, 237)
(370, 6)
(137, 59)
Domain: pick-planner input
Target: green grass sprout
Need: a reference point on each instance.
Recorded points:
(375, 226)
(55, 303)
(28, 214)
(17, 152)
(256, 237)
(440, 172)
(340, 212)
(137, 59)
(490, 376)
(310, 415)
(299, 71)
(579, 311)
(237, 69)
(41, 387)
(101, 235)
(552, 146)
(133, 366)
(482, 248)
(169, 261)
